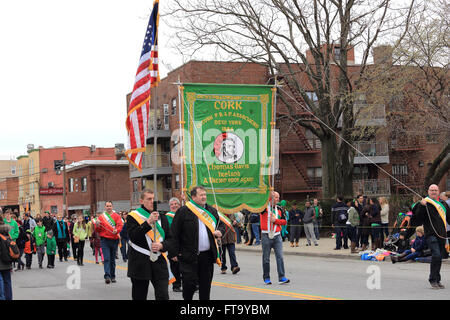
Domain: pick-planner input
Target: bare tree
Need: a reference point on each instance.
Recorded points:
(426, 51)
(305, 45)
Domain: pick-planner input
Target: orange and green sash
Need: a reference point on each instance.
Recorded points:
(170, 215)
(208, 219)
(140, 215)
(228, 223)
(442, 213)
(109, 221)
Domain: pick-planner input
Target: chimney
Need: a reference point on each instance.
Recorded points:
(382, 55)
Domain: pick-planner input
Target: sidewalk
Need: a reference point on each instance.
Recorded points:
(324, 250)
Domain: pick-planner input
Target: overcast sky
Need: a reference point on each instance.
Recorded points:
(65, 69)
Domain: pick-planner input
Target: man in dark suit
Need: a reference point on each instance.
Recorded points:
(194, 231)
(146, 262)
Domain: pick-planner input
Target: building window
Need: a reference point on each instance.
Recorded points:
(57, 164)
(71, 184)
(174, 106)
(399, 169)
(135, 185)
(177, 181)
(313, 141)
(143, 183)
(432, 137)
(54, 209)
(315, 176)
(13, 170)
(84, 184)
(337, 53)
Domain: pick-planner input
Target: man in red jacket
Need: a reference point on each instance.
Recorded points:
(108, 225)
(271, 221)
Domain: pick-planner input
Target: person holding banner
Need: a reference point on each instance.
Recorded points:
(271, 221)
(108, 225)
(148, 232)
(195, 228)
(228, 243)
(434, 216)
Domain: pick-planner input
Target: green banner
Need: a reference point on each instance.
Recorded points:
(227, 147)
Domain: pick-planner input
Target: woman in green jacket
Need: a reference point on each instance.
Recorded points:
(352, 224)
(80, 233)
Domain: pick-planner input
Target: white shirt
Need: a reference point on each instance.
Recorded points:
(203, 240)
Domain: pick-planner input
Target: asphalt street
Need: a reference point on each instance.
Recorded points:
(311, 278)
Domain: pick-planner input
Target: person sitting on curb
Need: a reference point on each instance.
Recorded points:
(416, 250)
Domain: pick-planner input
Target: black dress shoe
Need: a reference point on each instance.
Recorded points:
(107, 280)
(177, 289)
(113, 280)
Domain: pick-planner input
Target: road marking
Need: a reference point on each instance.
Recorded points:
(295, 295)
(270, 291)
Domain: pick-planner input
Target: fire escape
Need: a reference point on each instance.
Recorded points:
(296, 148)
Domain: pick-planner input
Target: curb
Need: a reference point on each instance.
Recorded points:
(355, 256)
(309, 254)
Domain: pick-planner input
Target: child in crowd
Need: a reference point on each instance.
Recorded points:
(402, 243)
(40, 237)
(51, 249)
(30, 249)
(97, 246)
(416, 250)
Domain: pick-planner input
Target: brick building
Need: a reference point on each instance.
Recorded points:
(93, 182)
(383, 154)
(51, 173)
(9, 193)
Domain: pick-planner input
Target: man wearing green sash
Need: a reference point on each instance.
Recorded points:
(148, 232)
(434, 216)
(194, 231)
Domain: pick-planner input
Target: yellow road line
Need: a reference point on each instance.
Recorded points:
(248, 288)
(271, 291)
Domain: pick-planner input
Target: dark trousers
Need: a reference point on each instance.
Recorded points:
(198, 273)
(5, 285)
(175, 268)
(74, 248)
(51, 259)
(437, 247)
(109, 249)
(123, 248)
(339, 237)
(62, 249)
(231, 252)
(19, 260)
(295, 232)
(28, 259)
(80, 251)
(352, 233)
(139, 289)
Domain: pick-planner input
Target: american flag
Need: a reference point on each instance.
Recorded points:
(147, 76)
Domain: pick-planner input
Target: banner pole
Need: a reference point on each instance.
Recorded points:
(181, 140)
(272, 134)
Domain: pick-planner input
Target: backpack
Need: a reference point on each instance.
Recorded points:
(9, 249)
(342, 216)
(254, 218)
